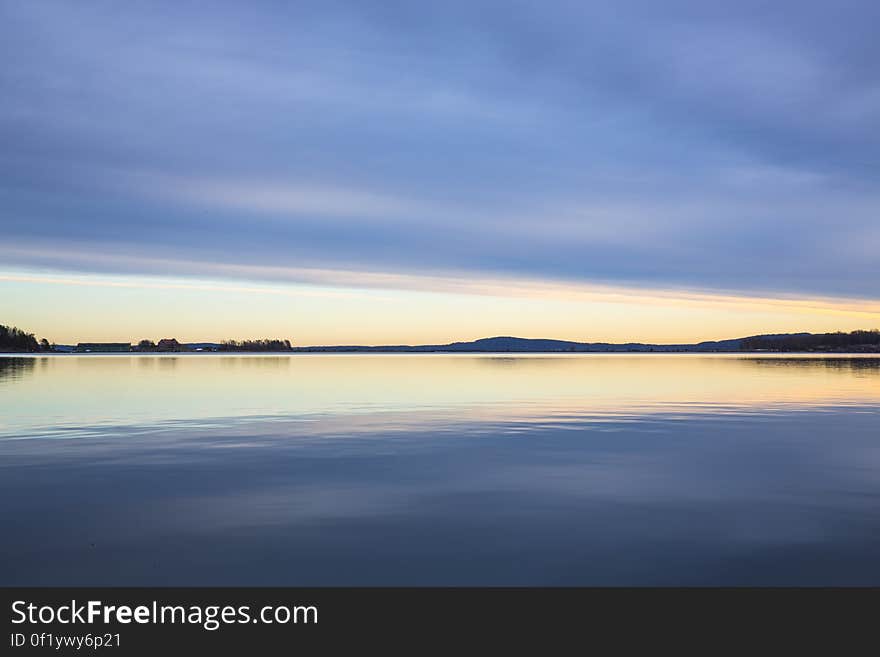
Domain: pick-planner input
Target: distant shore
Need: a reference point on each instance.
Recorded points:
(854, 342)
(380, 351)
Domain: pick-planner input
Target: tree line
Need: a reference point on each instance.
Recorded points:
(815, 341)
(265, 344)
(14, 339)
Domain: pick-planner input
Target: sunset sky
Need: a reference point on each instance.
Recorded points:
(410, 172)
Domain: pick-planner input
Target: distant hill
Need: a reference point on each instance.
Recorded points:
(866, 341)
(504, 344)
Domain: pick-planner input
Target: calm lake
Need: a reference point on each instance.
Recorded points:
(439, 469)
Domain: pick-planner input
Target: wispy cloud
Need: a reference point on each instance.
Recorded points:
(149, 283)
(336, 283)
(279, 198)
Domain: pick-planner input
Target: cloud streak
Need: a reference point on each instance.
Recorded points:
(355, 284)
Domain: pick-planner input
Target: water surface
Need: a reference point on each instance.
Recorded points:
(439, 469)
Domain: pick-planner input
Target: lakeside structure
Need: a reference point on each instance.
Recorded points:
(102, 347)
(166, 345)
(169, 344)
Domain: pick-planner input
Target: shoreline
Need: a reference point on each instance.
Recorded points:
(342, 352)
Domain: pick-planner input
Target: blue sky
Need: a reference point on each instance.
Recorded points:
(424, 149)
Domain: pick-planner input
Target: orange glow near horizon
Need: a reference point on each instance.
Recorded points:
(329, 307)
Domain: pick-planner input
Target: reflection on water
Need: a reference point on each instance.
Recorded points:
(75, 395)
(12, 368)
(348, 469)
(867, 364)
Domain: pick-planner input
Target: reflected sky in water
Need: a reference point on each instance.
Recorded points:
(431, 469)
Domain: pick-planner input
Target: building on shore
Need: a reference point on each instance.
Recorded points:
(169, 344)
(102, 347)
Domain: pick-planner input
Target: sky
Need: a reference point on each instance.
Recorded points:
(408, 172)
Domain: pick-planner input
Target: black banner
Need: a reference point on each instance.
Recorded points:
(120, 621)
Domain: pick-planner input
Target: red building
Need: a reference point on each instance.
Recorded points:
(169, 344)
